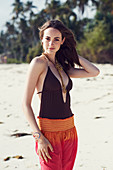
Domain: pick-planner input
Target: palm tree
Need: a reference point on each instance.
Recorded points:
(81, 4)
(28, 8)
(10, 28)
(3, 42)
(18, 8)
(106, 6)
(51, 9)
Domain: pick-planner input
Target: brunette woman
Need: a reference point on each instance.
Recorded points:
(50, 74)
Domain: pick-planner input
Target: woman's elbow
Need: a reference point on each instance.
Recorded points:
(96, 72)
(25, 105)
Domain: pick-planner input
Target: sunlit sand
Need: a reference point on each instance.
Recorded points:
(92, 105)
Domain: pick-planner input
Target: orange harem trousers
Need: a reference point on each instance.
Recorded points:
(62, 135)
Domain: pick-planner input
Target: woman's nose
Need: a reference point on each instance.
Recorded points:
(51, 42)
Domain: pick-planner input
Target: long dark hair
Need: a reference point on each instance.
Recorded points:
(67, 54)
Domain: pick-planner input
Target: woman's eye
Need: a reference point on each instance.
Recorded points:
(47, 38)
(56, 39)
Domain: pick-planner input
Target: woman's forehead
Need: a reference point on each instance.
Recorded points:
(52, 32)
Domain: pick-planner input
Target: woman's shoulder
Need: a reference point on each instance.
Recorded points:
(38, 64)
(39, 61)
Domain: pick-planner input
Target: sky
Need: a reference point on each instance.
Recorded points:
(6, 10)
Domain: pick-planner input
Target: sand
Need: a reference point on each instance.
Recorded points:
(92, 104)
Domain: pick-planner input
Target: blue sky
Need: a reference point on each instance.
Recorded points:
(6, 10)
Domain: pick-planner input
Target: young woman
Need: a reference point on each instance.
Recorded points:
(55, 133)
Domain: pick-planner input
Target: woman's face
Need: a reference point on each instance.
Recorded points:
(52, 40)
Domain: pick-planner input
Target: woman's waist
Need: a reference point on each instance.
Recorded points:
(55, 114)
(55, 111)
(53, 125)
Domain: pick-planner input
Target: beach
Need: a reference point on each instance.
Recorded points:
(91, 103)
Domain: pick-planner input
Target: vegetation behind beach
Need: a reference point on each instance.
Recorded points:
(20, 41)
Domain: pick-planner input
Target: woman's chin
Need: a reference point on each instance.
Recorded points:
(51, 51)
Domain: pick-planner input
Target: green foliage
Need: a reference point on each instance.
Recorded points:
(33, 52)
(98, 42)
(13, 60)
(21, 37)
(94, 36)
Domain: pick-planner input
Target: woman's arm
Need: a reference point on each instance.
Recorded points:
(35, 69)
(37, 66)
(88, 69)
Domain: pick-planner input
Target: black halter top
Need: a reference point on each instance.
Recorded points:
(52, 103)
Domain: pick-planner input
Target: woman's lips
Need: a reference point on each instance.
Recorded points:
(51, 48)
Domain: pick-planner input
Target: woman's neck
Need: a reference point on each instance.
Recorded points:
(51, 57)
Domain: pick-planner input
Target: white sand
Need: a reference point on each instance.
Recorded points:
(90, 97)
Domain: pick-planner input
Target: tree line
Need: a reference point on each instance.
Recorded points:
(20, 42)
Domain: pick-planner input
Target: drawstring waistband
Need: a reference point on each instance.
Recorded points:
(54, 125)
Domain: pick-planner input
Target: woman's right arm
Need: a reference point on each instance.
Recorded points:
(36, 68)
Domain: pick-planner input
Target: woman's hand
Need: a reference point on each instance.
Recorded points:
(43, 146)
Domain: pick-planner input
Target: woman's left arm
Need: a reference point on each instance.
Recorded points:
(88, 69)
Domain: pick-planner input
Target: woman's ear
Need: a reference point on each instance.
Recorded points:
(63, 41)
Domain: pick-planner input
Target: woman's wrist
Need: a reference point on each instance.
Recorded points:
(36, 135)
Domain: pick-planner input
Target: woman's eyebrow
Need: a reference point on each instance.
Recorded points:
(57, 37)
(50, 37)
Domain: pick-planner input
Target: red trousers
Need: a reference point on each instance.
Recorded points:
(64, 143)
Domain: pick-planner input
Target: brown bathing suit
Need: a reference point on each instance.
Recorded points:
(52, 102)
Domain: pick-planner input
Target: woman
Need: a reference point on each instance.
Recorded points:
(55, 133)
